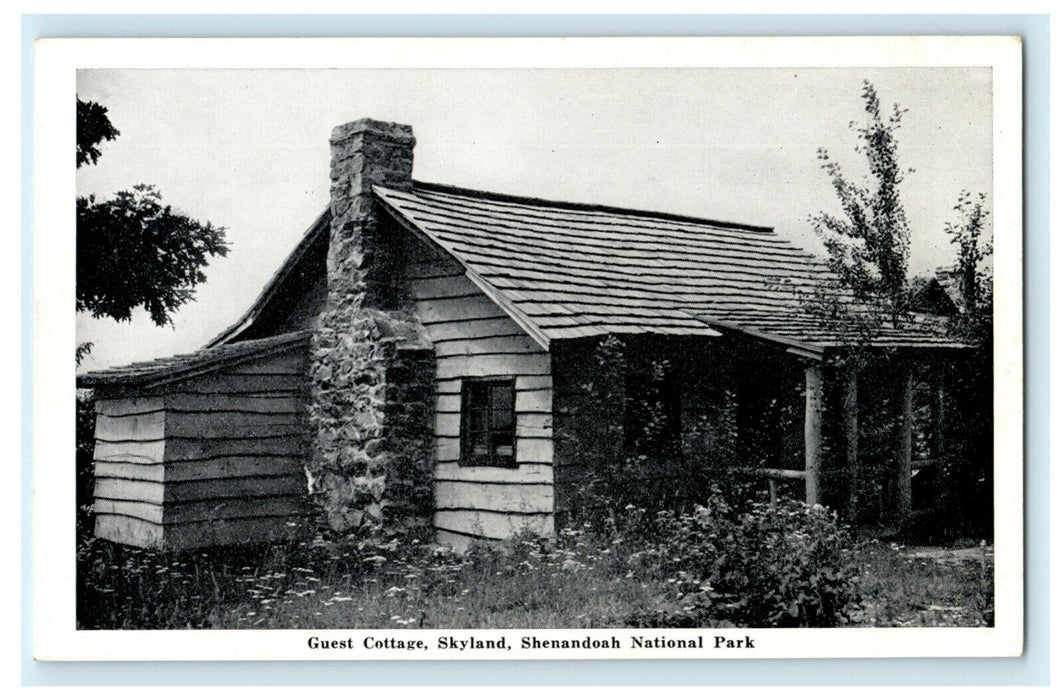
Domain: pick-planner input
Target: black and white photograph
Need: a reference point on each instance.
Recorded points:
(632, 360)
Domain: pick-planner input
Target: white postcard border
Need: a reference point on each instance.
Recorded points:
(55, 637)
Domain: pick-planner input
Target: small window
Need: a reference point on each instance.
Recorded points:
(487, 430)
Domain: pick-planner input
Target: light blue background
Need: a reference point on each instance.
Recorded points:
(1030, 669)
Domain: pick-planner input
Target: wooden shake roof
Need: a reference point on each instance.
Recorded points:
(178, 367)
(570, 270)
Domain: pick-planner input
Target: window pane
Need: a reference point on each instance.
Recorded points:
(503, 444)
(478, 420)
(478, 394)
(502, 397)
(502, 420)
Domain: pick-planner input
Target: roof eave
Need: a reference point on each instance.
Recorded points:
(164, 376)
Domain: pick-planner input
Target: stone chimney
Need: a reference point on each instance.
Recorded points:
(372, 365)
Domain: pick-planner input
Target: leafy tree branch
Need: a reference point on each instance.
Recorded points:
(132, 250)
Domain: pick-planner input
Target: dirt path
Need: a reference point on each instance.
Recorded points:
(948, 555)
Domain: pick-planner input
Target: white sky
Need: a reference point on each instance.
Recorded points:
(248, 150)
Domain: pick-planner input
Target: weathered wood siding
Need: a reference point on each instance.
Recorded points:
(474, 338)
(213, 460)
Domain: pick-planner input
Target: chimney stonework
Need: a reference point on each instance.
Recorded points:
(373, 368)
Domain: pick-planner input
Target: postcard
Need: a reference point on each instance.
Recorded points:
(528, 348)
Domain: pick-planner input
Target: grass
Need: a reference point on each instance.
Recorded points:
(578, 581)
(925, 587)
(344, 583)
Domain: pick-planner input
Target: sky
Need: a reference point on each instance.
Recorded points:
(248, 150)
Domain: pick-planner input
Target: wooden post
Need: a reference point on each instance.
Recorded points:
(938, 437)
(850, 436)
(814, 399)
(938, 418)
(904, 488)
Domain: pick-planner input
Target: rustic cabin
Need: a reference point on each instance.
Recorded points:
(474, 365)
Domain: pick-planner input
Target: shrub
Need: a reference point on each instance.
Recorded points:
(783, 565)
(85, 428)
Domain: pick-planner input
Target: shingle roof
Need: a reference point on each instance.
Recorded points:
(171, 369)
(569, 270)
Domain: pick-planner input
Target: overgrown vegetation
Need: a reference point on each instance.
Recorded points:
(788, 565)
(969, 474)
(84, 482)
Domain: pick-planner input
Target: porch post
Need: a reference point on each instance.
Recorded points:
(814, 399)
(904, 445)
(938, 437)
(850, 436)
(938, 417)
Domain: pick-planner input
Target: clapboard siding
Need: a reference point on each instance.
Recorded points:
(199, 511)
(496, 526)
(213, 459)
(220, 468)
(531, 473)
(232, 424)
(138, 426)
(152, 491)
(500, 498)
(122, 528)
(224, 403)
(232, 531)
(473, 337)
(130, 406)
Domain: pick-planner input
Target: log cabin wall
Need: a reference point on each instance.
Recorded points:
(213, 460)
(472, 338)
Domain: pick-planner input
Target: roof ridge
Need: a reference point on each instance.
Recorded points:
(589, 207)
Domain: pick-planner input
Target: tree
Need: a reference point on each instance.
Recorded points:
(93, 127)
(968, 233)
(868, 245)
(133, 251)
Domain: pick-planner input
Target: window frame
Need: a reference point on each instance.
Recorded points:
(466, 440)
